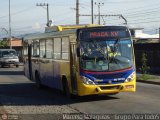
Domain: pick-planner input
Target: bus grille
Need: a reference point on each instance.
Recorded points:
(104, 76)
(110, 87)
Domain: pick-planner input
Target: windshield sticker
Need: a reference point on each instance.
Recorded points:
(129, 45)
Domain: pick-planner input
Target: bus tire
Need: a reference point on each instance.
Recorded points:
(66, 89)
(2, 66)
(38, 81)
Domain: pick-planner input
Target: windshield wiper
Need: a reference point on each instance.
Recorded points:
(100, 50)
(113, 52)
(116, 44)
(105, 55)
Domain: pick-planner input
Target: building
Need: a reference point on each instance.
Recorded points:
(16, 44)
(149, 45)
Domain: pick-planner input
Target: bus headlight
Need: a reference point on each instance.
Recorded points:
(131, 77)
(87, 81)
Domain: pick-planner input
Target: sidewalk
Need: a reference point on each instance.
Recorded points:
(155, 81)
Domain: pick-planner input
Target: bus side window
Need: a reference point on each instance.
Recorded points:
(25, 48)
(42, 48)
(65, 48)
(57, 48)
(36, 48)
(49, 48)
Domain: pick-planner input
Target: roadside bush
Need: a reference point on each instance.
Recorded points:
(144, 69)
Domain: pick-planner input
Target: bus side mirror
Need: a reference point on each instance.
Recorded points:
(78, 52)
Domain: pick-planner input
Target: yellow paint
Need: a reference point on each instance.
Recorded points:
(84, 89)
(68, 27)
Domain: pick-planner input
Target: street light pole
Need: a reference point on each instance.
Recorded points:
(42, 5)
(159, 34)
(92, 14)
(47, 14)
(10, 38)
(99, 11)
(77, 12)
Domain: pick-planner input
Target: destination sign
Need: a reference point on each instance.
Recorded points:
(104, 34)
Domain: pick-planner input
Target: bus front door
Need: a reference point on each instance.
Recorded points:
(73, 60)
(29, 61)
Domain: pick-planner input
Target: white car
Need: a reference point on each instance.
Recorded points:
(8, 57)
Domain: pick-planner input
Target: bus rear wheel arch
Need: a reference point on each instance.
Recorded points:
(66, 90)
(38, 81)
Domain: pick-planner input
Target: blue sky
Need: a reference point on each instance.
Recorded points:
(26, 17)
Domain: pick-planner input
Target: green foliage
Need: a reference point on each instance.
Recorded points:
(4, 43)
(144, 69)
(146, 77)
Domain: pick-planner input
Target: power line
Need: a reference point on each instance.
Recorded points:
(21, 11)
(137, 8)
(145, 22)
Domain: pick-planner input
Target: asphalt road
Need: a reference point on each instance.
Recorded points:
(18, 95)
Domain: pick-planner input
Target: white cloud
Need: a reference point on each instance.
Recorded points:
(37, 26)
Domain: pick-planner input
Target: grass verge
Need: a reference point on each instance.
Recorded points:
(146, 77)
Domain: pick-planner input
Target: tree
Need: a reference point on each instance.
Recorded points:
(4, 43)
(144, 69)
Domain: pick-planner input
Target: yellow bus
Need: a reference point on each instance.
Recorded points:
(81, 60)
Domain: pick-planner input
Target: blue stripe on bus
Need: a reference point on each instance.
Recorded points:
(121, 76)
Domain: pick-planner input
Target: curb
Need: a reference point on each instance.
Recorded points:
(149, 82)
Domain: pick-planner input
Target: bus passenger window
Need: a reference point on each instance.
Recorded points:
(49, 48)
(65, 48)
(42, 49)
(36, 48)
(25, 48)
(57, 48)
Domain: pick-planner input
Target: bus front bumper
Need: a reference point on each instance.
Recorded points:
(106, 89)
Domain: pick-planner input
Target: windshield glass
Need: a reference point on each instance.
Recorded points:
(9, 53)
(106, 55)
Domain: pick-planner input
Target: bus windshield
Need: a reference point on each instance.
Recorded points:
(106, 54)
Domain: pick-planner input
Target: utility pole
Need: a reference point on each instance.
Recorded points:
(99, 11)
(77, 12)
(10, 37)
(92, 17)
(159, 34)
(42, 5)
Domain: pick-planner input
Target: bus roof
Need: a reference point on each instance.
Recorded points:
(48, 35)
(66, 29)
(57, 30)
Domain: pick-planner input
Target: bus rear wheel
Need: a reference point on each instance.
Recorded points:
(66, 90)
(38, 81)
(2, 66)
